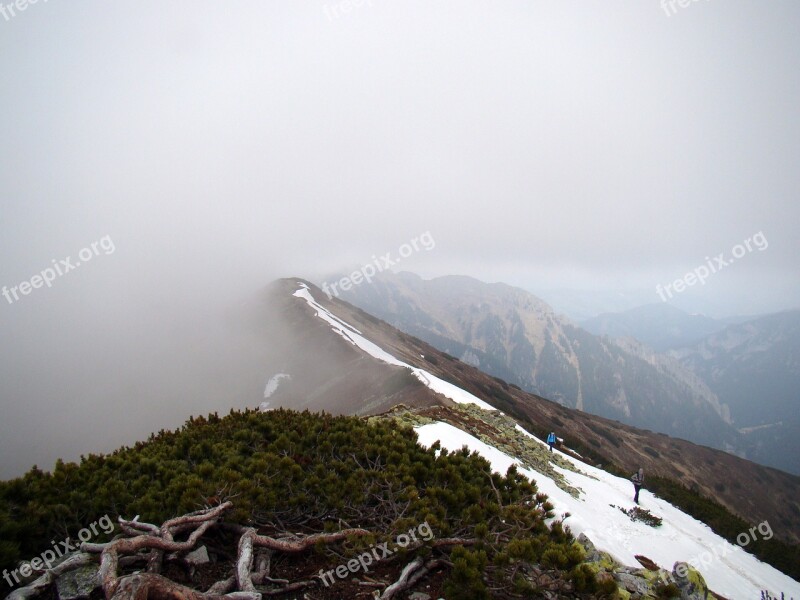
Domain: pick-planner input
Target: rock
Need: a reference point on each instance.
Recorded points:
(586, 543)
(197, 557)
(632, 583)
(602, 560)
(418, 596)
(79, 583)
(690, 582)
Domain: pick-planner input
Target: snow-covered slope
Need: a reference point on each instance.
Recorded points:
(353, 335)
(727, 568)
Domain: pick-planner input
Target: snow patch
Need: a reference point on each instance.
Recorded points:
(354, 336)
(273, 383)
(728, 569)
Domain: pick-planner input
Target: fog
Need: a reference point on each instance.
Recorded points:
(590, 147)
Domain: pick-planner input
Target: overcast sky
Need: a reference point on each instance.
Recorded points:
(216, 146)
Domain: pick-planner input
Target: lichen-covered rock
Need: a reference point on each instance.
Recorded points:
(79, 583)
(623, 594)
(690, 582)
(633, 583)
(597, 559)
(588, 545)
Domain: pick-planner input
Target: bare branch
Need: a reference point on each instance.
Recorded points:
(244, 566)
(411, 574)
(149, 585)
(301, 544)
(402, 583)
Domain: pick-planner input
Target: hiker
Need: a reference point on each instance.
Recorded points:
(551, 439)
(638, 482)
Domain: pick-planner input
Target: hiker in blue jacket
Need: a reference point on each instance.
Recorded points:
(551, 439)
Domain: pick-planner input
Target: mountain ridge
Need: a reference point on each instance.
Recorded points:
(717, 475)
(513, 334)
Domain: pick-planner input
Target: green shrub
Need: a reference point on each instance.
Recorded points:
(296, 464)
(584, 578)
(466, 579)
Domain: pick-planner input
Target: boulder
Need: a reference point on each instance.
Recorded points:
(690, 582)
(197, 557)
(79, 583)
(632, 583)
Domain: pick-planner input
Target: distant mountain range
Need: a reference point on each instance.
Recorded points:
(755, 368)
(582, 305)
(728, 383)
(510, 333)
(660, 326)
(752, 364)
